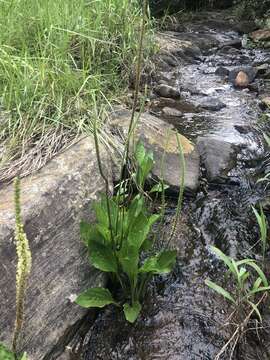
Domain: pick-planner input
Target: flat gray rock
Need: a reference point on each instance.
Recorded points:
(54, 201)
(167, 91)
(212, 104)
(218, 156)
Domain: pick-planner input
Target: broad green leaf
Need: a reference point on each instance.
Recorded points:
(152, 219)
(103, 235)
(255, 308)
(145, 162)
(162, 263)
(90, 233)
(129, 259)
(137, 207)
(138, 231)
(219, 290)
(147, 244)
(24, 357)
(159, 188)
(132, 312)
(95, 297)
(259, 272)
(101, 211)
(226, 259)
(140, 153)
(86, 231)
(102, 257)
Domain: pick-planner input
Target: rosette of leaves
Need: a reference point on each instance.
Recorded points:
(117, 241)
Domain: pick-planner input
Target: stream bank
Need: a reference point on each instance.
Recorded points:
(194, 88)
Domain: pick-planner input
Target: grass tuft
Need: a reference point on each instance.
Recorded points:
(59, 60)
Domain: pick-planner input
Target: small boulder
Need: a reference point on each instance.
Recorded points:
(260, 35)
(169, 112)
(242, 76)
(218, 157)
(167, 91)
(236, 43)
(241, 80)
(212, 104)
(265, 102)
(181, 105)
(222, 71)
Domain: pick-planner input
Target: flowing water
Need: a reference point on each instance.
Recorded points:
(182, 318)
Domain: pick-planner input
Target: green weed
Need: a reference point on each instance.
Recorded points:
(57, 60)
(244, 289)
(116, 243)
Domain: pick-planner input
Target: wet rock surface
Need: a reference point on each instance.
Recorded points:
(211, 103)
(218, 156)
(54, 201)
(242, 76)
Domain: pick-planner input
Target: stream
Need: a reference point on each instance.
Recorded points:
(182, 318)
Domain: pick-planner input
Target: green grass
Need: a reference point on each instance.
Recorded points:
(60, 61)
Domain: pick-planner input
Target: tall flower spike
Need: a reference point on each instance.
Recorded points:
(23, 265)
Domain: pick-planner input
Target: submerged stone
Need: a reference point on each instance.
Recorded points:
(218, 156)
(222, 71)
(212, 104)
(168, 112)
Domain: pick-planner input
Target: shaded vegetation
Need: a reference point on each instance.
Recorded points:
(250, 9)
(159, 6)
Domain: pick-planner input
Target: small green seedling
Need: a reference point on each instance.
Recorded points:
(245, 289)
(117, 241)
(263, 226)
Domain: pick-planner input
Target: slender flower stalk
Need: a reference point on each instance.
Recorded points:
(23, 266)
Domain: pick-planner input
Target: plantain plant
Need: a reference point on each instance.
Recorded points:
(245, 289)
(119, 238)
